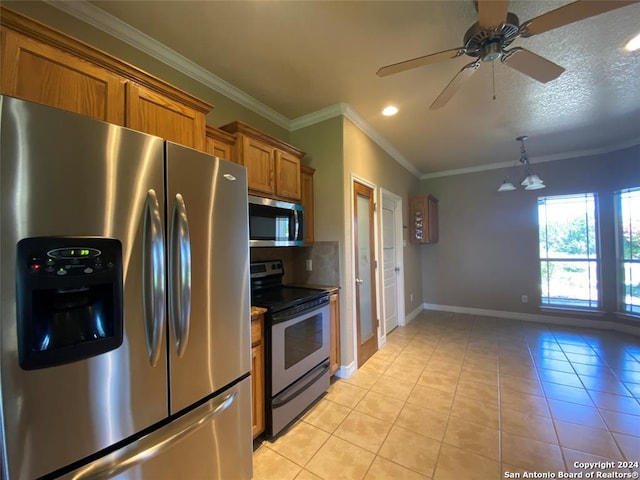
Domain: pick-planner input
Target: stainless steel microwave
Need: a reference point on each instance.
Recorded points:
(273, 223)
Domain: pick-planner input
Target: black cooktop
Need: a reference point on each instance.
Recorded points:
(281, 297)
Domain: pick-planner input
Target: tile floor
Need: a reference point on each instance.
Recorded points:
(456, 396)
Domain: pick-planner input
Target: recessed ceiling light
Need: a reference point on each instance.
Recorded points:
(389, 111)
(633, 44)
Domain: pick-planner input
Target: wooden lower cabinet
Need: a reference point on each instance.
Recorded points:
(334, 333)
(257, 374)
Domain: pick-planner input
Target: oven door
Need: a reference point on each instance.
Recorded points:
(298, 344)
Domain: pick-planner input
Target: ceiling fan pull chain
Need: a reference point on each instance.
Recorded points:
(493, 71)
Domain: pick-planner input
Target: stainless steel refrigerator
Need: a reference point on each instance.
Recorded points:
(125, 316)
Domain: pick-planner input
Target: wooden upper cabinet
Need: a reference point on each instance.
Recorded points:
(423, 221)
(273, 166)
(287, 175)
(220, 144)
(306, 188)
(40, 73)
(46, 66)
(258, 157)
(151, 112)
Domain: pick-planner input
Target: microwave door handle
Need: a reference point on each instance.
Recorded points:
(180, 275)
(296, 225)
(153, 268)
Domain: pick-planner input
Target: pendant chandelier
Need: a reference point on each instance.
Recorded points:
(530, 181)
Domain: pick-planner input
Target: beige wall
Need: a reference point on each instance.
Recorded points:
(487, 256)
(364, 159)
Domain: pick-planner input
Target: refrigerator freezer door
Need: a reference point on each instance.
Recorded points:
(210, 339)
(66, 175)
(211, 442)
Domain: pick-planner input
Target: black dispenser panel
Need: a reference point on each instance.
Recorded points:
(69, 299)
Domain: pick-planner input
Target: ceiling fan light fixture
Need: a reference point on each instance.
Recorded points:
(633, 44)
(491, 51)
(390, 111)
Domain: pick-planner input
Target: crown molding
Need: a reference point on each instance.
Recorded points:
(115, 27)
(373, 134)
(545, 158)
(319, 116)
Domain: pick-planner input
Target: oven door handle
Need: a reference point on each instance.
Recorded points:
(288, 314)
(281, 400)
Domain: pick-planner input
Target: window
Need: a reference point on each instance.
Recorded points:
(568, 250)
(628, 203)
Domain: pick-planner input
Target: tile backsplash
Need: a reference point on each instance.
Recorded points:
(324, 258)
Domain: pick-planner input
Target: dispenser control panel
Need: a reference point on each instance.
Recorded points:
(69, 299)
(77, 260)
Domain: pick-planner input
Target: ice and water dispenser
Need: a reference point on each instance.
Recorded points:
(69, 299)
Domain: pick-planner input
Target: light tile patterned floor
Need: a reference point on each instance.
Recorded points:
(455, 397)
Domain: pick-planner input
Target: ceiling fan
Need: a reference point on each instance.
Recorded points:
(495, 30)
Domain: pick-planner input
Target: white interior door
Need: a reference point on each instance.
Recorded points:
(391, 270)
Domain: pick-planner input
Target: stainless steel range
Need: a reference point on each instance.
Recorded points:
(297, 344)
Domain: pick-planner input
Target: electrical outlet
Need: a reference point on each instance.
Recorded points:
(524, 299)
(309, 265)
(411, 297)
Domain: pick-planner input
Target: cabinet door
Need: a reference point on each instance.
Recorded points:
(306, 180)
(287, 175)
(219, 149)
(334, 343)
(44, 74)
(257, 383)
(156, 114)
(258, 158)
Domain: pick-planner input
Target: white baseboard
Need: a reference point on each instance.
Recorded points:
(533, 317)
(408, 318)
(347, 371)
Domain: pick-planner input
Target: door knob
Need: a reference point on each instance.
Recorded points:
(359, 282)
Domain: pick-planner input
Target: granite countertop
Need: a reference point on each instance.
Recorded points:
(328, 288)
(255, 311)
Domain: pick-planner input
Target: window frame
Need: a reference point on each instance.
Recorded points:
(624, 308)
(592, 305)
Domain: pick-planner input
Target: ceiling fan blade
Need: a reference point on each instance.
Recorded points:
(419, 62)
(531, 64)
(492, 13)
(570, 13)
(454, 85)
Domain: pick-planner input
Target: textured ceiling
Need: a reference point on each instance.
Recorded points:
(298, 57)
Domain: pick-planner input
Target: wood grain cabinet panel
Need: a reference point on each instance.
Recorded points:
(257, 374)
(43, 65)
(273, 166)
(151, 112)
(40, 73)
(258, 157)
(220, 144)
(287, 175)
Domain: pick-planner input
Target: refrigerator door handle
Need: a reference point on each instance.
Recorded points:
(180, 274)
(153, 268)
(154, 443)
